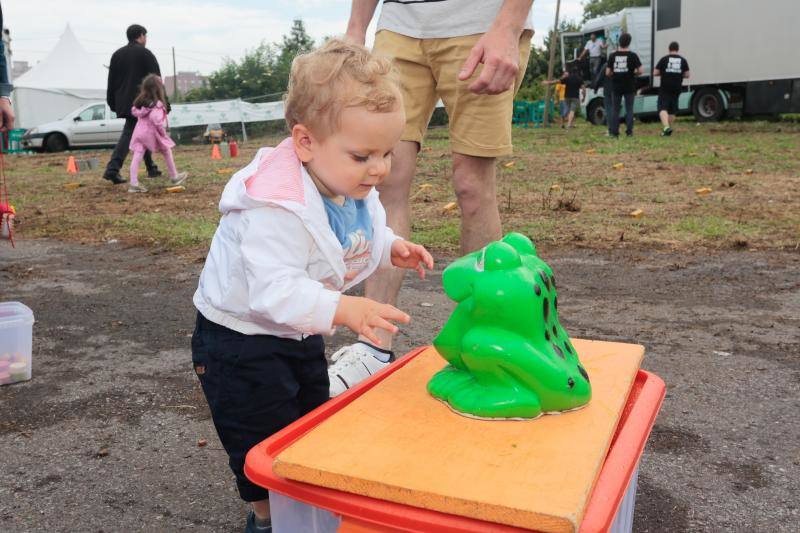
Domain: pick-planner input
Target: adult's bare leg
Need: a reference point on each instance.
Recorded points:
(384, 286)
(474, 183)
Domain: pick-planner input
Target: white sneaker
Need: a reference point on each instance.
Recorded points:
(179, 178)
(353, 364)
(137, 188)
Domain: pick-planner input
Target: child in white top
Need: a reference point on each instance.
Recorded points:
(301, 224)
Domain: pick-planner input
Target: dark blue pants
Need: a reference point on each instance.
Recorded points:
(608, 100)
(256, 385)
(613, 126)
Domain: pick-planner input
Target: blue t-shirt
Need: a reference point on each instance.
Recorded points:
(352, 225)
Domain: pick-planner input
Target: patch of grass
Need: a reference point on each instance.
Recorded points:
(753, 181)
(169, 230)
(711, 227)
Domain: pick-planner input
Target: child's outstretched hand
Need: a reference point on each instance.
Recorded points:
(406, 254)
(362, 316)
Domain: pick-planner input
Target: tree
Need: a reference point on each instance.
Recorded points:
(264, 70)
(597, 8)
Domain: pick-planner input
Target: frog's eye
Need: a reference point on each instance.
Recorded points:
(570, 382)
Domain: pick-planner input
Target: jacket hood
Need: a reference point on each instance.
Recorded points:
(273, 177)
(141, 112)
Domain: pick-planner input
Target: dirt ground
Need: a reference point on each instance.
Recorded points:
(104, 438)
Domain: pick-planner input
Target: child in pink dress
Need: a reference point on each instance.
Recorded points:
(149, 134)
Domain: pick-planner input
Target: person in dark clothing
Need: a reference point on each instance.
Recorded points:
(129, 66)
(604, 82)
(572, 94)
(623, 66)
(673, 69)
(6, 113)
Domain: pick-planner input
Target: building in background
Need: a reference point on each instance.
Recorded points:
(186, 82)
(18, 68)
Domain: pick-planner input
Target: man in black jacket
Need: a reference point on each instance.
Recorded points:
(129, 65)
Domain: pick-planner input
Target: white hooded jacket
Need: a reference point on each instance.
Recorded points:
(275, 266)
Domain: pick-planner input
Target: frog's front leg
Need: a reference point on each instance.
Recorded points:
(492, 390)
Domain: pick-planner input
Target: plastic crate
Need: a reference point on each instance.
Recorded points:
(16, 336)
(303, 507)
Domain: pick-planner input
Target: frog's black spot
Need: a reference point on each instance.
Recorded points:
(546, 309)
(555, 331)
(570, 382)
(537, 290)
(569, 350)
(544, 279)
(555, 301)
(558, 350)
(553, 281)
(546, 334)
(583, 373)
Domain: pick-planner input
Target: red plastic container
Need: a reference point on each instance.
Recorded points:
(633, 429)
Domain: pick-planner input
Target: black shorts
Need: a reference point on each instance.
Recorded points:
(668, 101)
(256, 385)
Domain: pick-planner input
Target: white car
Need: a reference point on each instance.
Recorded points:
(91, 125)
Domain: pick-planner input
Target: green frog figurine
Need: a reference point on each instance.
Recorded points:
(508, 356)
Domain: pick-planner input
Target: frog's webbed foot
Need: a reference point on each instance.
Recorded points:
(466, 396)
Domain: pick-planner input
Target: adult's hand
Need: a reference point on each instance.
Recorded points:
(498, 51)
(6, 115)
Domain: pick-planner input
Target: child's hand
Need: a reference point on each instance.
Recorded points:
(406, 254)
(362, 316)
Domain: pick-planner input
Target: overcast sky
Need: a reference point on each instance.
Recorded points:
(202, 32)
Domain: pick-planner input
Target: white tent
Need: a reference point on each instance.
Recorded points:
(66, 79)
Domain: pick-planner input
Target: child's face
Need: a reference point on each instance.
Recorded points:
(356, 157)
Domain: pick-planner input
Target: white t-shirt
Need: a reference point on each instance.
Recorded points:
(436, 19)
(594, 48)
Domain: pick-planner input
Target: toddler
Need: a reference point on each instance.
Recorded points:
(301, 224)
(150, 108)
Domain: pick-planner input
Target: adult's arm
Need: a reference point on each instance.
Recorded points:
(6, 113)
(111, 86)
(498, 50)
(151, 63)
(361, 12)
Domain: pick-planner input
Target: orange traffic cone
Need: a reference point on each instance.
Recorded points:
(234, 147)
(215, 154)
(72, 168)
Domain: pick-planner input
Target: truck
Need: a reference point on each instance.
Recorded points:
(740, 56)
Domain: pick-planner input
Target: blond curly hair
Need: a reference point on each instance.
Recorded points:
(338, 75)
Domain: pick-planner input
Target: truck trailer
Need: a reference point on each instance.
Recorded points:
(740, 55)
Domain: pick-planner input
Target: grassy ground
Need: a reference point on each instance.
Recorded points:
(563, 188)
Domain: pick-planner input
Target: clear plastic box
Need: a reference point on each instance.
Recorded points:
(16, 338)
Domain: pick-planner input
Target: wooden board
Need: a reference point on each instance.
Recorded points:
(397, 443)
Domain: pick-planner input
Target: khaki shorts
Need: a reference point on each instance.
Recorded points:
(480, 125)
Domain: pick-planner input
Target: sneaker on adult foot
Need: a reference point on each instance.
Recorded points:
(353, 364)
(667, 132)
(254, 527)
(137, 188)
(179, 178)
(155, 173)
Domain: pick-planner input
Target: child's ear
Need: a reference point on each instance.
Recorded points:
(303, 142)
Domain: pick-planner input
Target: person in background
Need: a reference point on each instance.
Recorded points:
(560, 91)
(150, 110)
(6, 113)
(594, 47)
(601, 81)
(129, 66)
(623, 66)
(574, 90)
(673, 69)
(472, 54)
